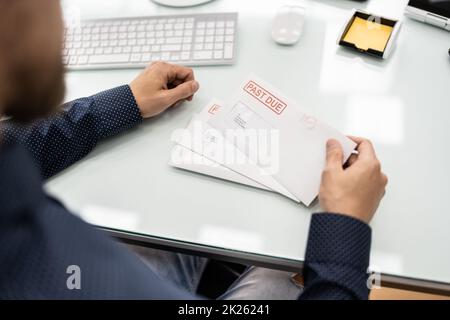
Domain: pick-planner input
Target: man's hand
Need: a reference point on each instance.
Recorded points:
(161, 86)
(357, 190)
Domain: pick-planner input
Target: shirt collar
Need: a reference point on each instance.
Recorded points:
(20, 181)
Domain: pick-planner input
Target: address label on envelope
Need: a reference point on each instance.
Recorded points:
(273, 132)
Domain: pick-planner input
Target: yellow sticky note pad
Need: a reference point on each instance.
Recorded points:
(366, 34)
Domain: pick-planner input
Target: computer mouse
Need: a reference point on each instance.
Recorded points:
(288, 25)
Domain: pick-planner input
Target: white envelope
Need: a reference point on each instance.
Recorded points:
(297, 155)
(186, 159)
(202, 139)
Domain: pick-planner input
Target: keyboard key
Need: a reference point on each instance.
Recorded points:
(83, 59)
(185, 55)
(171, 47)
(174, 40)
(228, 51)
(112, 58)
(146, 57)
(218, 54)
(165, 56)
(202, 55)
(73, 60)
(136, 57)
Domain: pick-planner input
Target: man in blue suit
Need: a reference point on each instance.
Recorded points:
(40, 239)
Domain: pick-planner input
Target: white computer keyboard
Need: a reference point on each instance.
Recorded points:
(191, 40)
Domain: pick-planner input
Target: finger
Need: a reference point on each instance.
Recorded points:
(177, 83)
(182, 91)
(365, 148)
(334, 155)
(353, 158)
(176, 72)
(385, 179)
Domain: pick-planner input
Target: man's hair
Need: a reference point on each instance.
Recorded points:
(31, 70)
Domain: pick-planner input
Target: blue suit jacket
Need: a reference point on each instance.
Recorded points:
(40, 238)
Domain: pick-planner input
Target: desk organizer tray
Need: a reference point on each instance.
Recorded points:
(370, 34)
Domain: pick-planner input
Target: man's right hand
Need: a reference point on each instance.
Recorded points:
(356, 190)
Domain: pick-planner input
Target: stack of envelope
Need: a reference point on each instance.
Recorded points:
(259, 138)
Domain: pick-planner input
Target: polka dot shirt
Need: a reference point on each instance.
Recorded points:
(61, 140)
